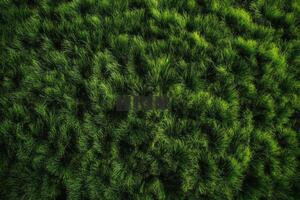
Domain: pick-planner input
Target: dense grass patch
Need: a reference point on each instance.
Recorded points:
(230, 70)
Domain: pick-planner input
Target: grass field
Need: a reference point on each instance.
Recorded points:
(229, 70)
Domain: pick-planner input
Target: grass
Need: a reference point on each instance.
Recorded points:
(230, 70)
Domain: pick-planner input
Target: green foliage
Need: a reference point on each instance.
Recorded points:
(230, 70)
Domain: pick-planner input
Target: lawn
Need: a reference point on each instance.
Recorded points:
(224, 122)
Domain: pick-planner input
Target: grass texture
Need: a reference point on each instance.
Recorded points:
(230, 70)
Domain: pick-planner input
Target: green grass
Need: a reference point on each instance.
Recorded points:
(230, 70)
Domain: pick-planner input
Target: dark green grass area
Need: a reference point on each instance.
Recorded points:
(230, 70)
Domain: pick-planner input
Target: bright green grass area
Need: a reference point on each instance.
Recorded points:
(229, 68)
